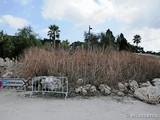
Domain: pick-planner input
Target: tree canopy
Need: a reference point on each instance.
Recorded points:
(13, 46)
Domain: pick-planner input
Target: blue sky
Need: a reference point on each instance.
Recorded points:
(73, 17)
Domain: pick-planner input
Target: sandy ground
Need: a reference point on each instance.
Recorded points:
(15, 106)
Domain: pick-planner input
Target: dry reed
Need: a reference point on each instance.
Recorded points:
(94, 67)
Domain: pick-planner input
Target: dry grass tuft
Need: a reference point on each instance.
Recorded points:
(95, 66)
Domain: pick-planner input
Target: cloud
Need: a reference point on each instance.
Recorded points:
(130, 13)
(14, 22)
(137, 13)
(82, 12)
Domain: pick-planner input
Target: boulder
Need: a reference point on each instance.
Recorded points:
(156, 82)
(133, 85)
(105, 89)
(93, 89)
(7, 74)
(121, 87)
(80, 82)
(78, 90)
(149, 94)
(126, 85)
(120, 93)
(147, 84)
(87, 87)
(84, 91)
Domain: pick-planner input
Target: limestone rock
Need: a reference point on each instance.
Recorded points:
(126, 85)
(80, 81)
(156, 82)
(121, 87)
(93, 89)
(78, 90)
(7, 74)
(133, 85)
(87, 87)
(84, 91)
(105, 89)
(149, 94)
(120, 93)
(147, 84)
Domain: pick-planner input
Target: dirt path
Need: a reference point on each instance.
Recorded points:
(14, 106)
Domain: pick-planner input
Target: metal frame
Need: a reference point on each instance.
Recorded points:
(53, 85)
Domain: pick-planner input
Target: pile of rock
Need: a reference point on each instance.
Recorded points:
(149, 93)
(83, 89)
(104, 89)
(88, 89)
(127, 88)
(5, 67)
(156, 82)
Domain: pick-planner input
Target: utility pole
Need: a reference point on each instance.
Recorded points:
(89, 34)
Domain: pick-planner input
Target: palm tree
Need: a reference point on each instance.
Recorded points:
(137, 39)
(53, 33)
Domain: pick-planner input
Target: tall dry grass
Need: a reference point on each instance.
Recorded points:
(95, 66)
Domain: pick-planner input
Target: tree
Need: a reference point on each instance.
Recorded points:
(107, 39)
(65, 44)
(25, 38)
(2, 35)
(27, 35)
(122, 42)
(53, 33)
(137, 39)
(8, 48)
(76, 44)
(91, 40)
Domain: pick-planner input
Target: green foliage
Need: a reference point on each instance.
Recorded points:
(122, 42)
(91, 40)
(53, 33)
(107, 39)
(137, 39)
(13, 46)
(77, 44)
(65, 44)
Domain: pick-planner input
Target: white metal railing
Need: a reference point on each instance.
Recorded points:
(50, 84)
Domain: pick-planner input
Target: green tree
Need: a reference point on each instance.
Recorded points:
(25, 38)
(2, 34)
(53, 33)
(65, 44)
(122, 42)
(8, 48)
(91, 40)
(137, 39)
(107, 39)
(76, 44)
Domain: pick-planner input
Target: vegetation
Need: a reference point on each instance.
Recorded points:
(137, 39)
(94, 67)
(101, 58)
(53, 33)
(14, 46)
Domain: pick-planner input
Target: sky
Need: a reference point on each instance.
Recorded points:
(73, 17)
